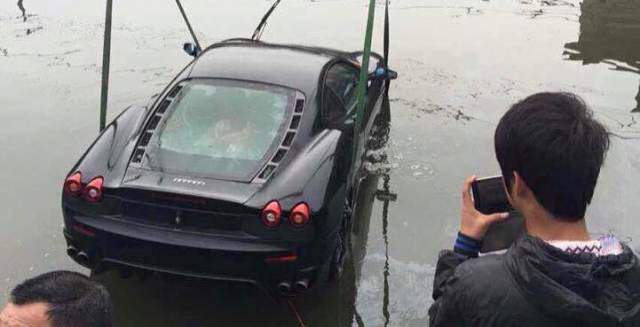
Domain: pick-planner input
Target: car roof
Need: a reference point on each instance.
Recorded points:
(293, 66)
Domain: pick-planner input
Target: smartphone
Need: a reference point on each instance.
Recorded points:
(489, 196)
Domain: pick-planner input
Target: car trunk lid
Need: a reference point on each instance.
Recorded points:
(191, 204)
(144, 185)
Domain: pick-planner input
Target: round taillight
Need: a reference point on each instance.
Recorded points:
(93, 191)
(271, 214)
(300, 215)
(73, 184)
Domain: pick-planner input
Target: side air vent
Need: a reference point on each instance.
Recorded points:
(299, 105)
(175, 91)
(137, 155)
(287, 141)
(266, 172)
(153, 123)
(163, 106)
(279, 155)
(144, 140)
(295, 122)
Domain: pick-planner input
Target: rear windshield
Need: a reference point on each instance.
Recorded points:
(221, 129)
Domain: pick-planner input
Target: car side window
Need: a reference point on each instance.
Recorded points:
(334, 108)
(339, 91)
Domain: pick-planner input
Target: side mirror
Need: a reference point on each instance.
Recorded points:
(383, 73)
(191, 49)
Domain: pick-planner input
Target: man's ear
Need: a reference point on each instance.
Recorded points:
(519, 187)
(508, 189)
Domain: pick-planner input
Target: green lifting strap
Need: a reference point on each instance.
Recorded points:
(364, 73)
(106, 57)
(386, 34)
(386, 110)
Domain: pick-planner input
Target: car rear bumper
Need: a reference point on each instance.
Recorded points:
(113, 241)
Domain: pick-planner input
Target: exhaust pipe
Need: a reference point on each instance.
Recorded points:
(72, 251)
(284, 287)
(301, 285)
(83, 258)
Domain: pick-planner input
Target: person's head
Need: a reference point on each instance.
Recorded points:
(57, 299)
(550, 150)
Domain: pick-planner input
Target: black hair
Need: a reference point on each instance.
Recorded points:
(557, 147)
(74, 300)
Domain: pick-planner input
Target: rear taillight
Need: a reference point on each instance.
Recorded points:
(271, 214)
(85, 230)
(299, 215)
(93, 191)
(73, 184)
(282, 258)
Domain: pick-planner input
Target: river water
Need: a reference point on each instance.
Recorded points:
(461, 64)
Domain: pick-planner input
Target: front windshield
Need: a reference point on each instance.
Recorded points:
(220, 129)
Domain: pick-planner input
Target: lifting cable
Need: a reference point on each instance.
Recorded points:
(385, 100)
(257, 34)
(364, 70)
(361, 89)
(106, 56)
(386, 34)
(186, 20)
(106, 59)
(296, 313)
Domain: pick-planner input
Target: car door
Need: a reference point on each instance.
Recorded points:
(338, 111)
(339, 92)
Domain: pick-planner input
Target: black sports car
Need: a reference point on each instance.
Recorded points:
(241, 169)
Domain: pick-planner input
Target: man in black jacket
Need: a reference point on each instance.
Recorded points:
(550, 151)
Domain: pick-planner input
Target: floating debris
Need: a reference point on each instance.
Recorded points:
(24, 11)
(30, 31)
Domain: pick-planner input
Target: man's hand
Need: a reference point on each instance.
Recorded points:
(473, 223)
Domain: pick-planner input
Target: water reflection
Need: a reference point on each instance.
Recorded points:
(609, 33)
(385, 195)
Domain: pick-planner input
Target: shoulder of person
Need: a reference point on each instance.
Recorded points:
(484, 266)
(484, 282)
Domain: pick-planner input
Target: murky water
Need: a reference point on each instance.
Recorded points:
(461, 64)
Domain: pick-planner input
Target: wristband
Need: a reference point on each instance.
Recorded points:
(466, 245)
